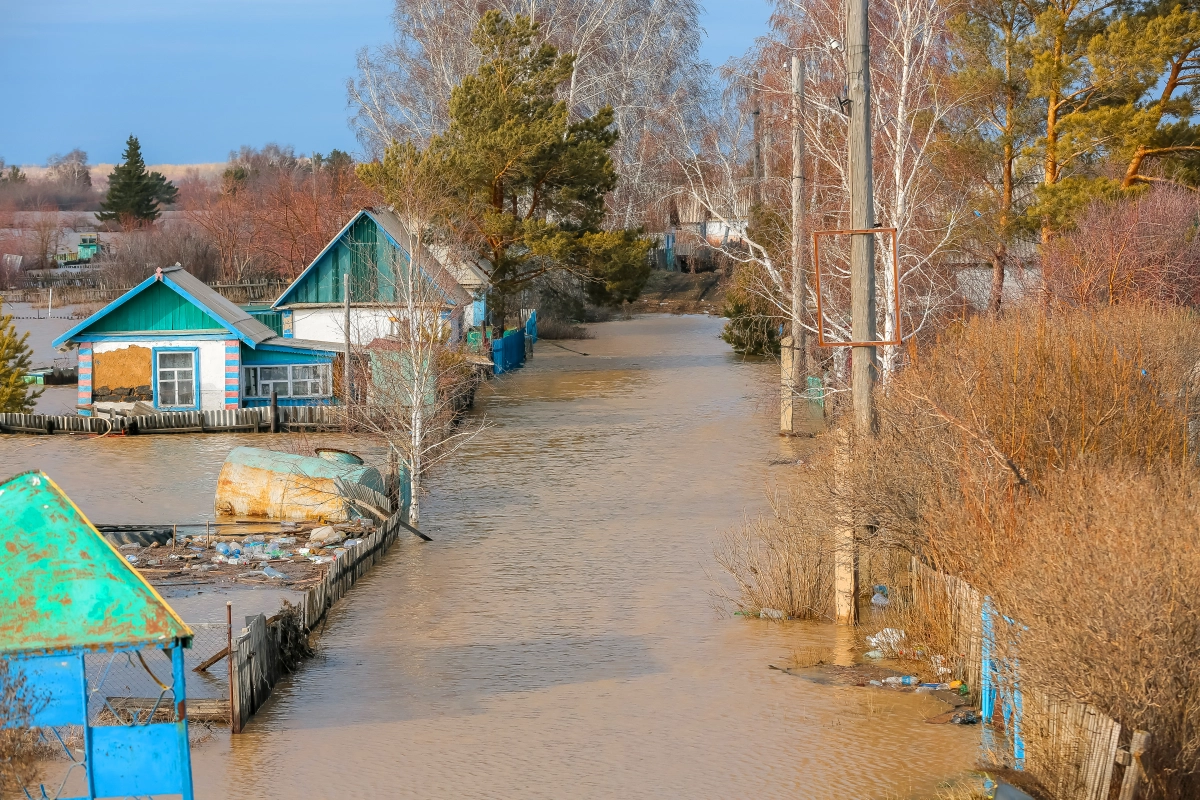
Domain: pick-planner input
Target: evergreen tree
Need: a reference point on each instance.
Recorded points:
(15, 394)
(133, 193)
(525, 181)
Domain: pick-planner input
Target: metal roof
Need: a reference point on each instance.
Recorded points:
(398, 232)
(65, 586)
(431, 265)
(212, 301)
(195, 291)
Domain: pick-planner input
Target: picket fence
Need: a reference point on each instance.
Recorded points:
(290, 418)
(1070, 748)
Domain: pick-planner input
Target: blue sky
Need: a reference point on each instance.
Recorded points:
(194, 80)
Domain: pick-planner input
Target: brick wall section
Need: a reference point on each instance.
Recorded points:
(85, 377)
(233, 370)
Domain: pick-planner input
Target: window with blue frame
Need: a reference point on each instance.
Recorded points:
(176, 378)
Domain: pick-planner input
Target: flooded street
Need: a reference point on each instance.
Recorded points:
(559, 637)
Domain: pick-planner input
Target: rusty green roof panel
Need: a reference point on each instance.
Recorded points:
(65, 586)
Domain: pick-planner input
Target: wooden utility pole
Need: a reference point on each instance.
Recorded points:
(864, 364)
(794, 347)
(346, 358)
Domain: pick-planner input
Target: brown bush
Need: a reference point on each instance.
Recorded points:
(784, 560)
(1049, 461)
(1141, 250)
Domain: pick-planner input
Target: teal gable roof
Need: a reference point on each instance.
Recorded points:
(173, 302)
(370, 248)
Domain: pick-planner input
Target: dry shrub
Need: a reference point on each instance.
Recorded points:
(554, 328)
(1143, 250)
(17, 755)
(1048, 461)
(1107, 585)
(784, 560)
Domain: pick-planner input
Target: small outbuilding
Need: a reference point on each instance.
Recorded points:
(175, 343)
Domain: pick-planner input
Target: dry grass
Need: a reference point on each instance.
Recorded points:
(783, 560)
(17, 751)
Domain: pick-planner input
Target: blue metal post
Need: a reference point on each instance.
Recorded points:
(185, 752)
(87, 730)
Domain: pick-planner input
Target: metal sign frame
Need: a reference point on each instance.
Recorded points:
(816, 237)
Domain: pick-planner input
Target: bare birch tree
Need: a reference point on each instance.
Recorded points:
(911, 102)
(641, 57)
(420, 379)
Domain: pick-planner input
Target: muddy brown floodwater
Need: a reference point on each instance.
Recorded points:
(558, 638)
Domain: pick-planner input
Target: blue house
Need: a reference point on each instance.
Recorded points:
(374, 249)
(173, 342)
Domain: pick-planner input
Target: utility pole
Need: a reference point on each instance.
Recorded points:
(794, 347)
(864, 364)
(346, 358)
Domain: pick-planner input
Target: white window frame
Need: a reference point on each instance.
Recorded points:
(254, 385)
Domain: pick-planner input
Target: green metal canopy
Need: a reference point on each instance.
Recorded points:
(64, 586)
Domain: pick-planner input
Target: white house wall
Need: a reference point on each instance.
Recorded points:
(328, 324)
(212, 364)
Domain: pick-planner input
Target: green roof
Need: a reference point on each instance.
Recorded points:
(65, 586)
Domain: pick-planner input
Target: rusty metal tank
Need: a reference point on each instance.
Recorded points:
(265, 484)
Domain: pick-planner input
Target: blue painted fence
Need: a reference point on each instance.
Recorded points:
(508, 352)
(128, 749)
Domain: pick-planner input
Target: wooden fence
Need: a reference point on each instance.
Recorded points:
(1070, 748)
(257, 665)
(289, 418)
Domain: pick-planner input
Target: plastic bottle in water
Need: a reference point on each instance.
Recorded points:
(901, 680)
(223, 548)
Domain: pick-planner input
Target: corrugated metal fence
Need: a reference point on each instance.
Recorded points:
(1071, 748)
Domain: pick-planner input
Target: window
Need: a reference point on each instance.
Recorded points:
(300, 380)
(176, 379)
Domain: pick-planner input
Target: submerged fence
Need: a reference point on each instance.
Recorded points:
(259, 420)
(1071, 748)
(260, 659)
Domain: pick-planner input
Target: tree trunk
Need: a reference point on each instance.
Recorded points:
(999, 256)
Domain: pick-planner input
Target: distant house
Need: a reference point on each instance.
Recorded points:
(374, 249)
(174, 342)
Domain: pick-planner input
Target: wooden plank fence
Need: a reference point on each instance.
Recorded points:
(290, 418)
(257, 664)
(1070, 747)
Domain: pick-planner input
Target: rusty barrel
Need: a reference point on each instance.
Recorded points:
(265, 484)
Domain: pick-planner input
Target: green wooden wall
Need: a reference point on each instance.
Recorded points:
(157, 308)
(365, 252)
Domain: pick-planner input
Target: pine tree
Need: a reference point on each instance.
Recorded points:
(133, 193)
(15, 394)
(526, 182)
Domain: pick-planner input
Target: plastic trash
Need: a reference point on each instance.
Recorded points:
(321, 559)
(351, 542)
(964, 690)
(955, 684)
(939, 665)
(132, 559)
(271, 572)
(965, 717)
(900, 680)
(281, 540)
(880, 598)
(889, 640)
(771, 613)
(327, 535)
(873, 654)
(875, 683)
(302, 551)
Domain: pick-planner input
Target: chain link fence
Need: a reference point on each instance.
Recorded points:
(134, 687)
